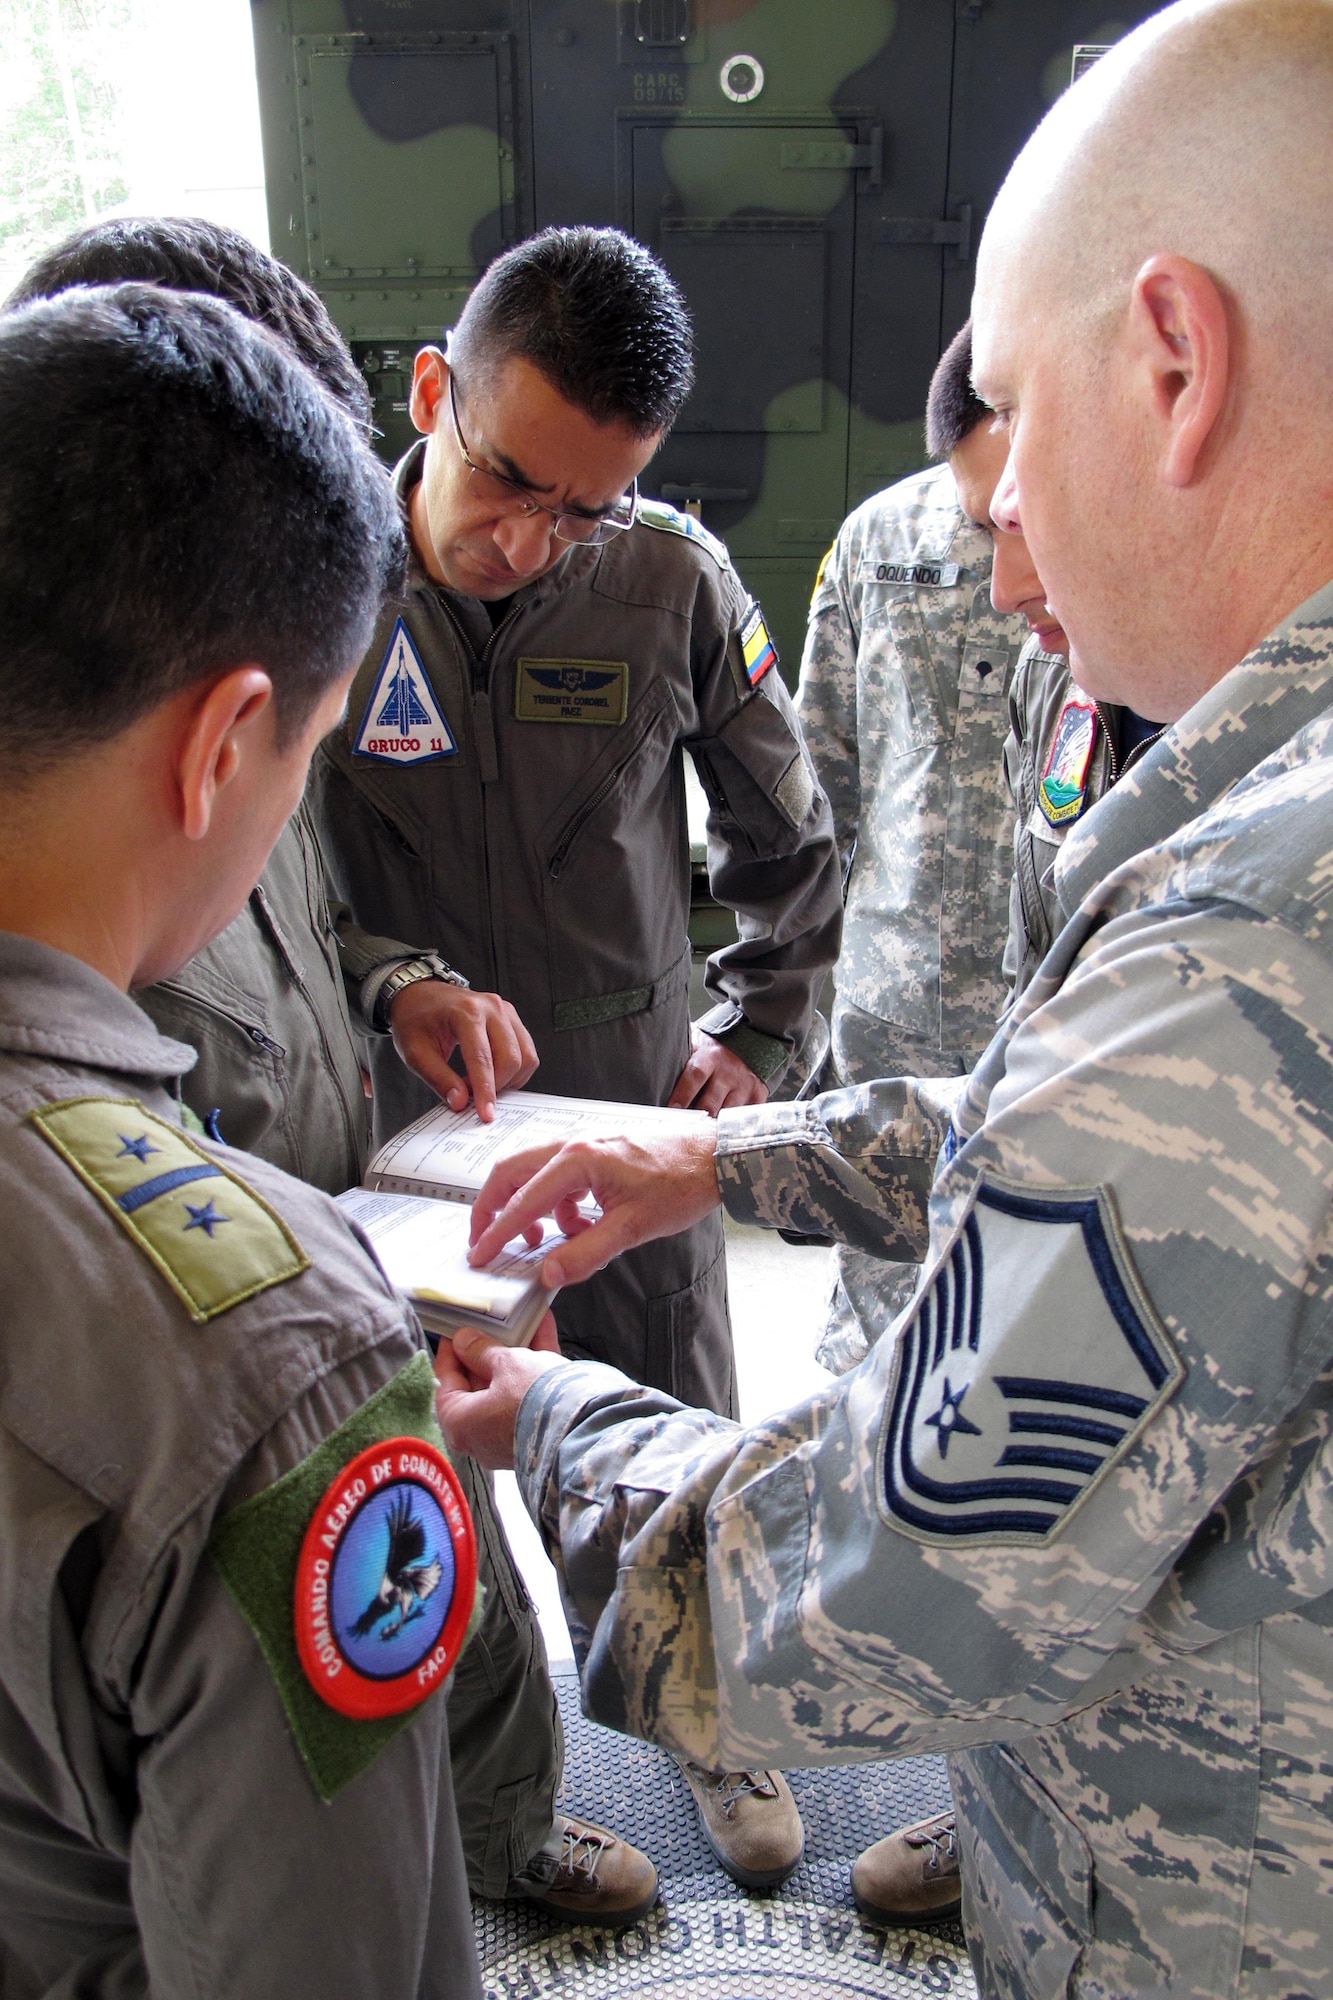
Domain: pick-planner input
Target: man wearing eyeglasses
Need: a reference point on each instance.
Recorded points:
(509, 777)
(509, 780)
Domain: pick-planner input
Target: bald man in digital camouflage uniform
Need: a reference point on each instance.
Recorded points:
(1072, 1525)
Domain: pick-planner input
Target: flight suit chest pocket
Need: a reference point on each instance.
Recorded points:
(613, 860)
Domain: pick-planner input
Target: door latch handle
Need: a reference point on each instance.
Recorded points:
(949, 232)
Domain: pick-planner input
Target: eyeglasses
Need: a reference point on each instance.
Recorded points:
(515, 499)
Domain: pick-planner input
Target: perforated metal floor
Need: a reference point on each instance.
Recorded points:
(708, 1939)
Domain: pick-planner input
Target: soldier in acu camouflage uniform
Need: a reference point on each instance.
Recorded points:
(902, 700)
(1073, 1524)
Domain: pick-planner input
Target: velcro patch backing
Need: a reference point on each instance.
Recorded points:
(214, 1240)
(257, 1548)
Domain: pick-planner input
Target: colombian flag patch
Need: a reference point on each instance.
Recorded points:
(757, 649)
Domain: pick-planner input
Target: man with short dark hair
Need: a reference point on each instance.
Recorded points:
(903, 691)
(265, 1005)
(198, 1354)
(510, 781)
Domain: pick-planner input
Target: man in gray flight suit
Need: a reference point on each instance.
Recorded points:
(902, 700)
(200, 1789)
(560, 646)
(1071, 1524)
(265, 1005)
(510, 783)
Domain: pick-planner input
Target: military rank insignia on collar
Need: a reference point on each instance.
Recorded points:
(757, 649)
(1064, 781)
(1001, 1421)
(385, 1581)
(403, 722)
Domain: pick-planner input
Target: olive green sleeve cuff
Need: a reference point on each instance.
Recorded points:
(764, 1054)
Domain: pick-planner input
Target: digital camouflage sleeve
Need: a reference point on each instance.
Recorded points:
(1075, 1522)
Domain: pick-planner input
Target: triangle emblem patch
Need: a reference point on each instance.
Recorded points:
(403, 723)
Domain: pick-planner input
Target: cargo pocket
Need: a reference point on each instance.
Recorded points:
(1029, 1876)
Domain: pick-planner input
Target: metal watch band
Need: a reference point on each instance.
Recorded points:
(427, 965)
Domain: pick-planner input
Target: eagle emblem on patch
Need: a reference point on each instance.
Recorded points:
(1064, 781)
(386, 1580)
(1000, 1422)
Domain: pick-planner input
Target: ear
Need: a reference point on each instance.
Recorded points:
(221, 727)
(1178, 319)
(430, 386)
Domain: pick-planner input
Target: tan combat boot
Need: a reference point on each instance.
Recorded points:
(584, 1874)
(750, 1821)
(911, 1875)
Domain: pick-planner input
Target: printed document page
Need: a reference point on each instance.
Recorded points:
(455, 1150)
(422, 1245)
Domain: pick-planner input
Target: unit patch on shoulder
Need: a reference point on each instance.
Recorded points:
(657, 514)
(386, 1579)
(403, 722)
(757, 649)
(357, 1573)
(913, 575)
(571, 691)
(213, 1239)
(1000, 1423)
(1060, 792)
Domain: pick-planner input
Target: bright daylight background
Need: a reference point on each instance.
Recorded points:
(124, 107)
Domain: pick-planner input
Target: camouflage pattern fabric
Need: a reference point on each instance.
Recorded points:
(1074, 1523)
(902, 700)
(1041, 686)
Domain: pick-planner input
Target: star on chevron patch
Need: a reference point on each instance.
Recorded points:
(1001, 1421)
(403, 722)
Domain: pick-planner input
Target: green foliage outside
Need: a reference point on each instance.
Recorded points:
(61, 131)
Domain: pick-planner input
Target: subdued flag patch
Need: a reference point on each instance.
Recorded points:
(403, 722)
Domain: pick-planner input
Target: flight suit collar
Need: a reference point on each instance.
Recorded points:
(54, 1005)
(1251, 712)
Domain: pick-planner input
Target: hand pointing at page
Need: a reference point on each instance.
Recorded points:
(644, 1190)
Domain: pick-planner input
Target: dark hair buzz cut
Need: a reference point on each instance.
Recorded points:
(178, 495)
(191, 255)
(953, 407)
(596, 313)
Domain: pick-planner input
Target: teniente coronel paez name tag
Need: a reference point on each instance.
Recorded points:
(595, 691)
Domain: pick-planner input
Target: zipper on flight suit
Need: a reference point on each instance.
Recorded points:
(480, 668)
(556, 865)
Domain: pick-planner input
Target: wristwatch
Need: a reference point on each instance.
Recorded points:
(386, 986)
